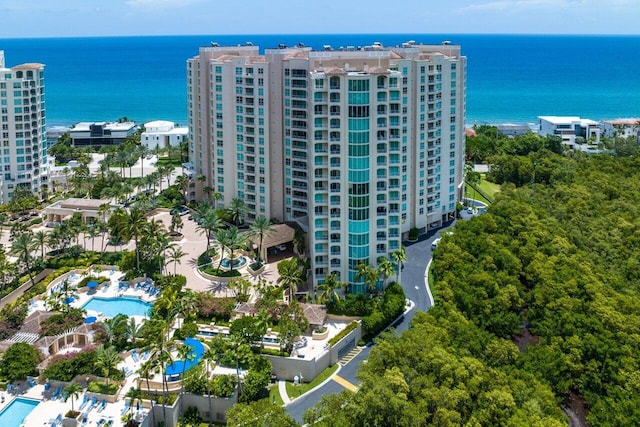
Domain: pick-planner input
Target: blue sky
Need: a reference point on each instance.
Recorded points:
(67, 18)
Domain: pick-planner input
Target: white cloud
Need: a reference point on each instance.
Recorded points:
(519, 5)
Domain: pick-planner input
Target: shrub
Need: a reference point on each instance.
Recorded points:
(209, 306)
(343, 333)
(19, 361)
(36, 221)
(414, 233)
(58, 323)
(188, 330)
(103, 388)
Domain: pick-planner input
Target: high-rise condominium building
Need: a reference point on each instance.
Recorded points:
(356, 145)
(23, 160)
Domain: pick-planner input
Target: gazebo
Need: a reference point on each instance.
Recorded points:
(281, 234)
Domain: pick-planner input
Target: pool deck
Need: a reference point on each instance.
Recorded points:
(83, 295)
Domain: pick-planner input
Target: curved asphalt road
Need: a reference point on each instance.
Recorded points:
(413, 282)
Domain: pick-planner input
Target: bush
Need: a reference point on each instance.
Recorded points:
(58, 323)
(209, 306)
(36, 221)
(272, 352)
(19, 361)
(413, 234)
(103, 388)
(343, 333)
(188, 330)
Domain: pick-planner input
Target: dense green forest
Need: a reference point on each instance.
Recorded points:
(537, 307)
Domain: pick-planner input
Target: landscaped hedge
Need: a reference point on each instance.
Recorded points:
(393, 304)
(343, 333)
(66, 366)
(58, 323)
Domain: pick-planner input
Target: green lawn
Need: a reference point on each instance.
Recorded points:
(297, 390)
(488, 187)
(274, 395)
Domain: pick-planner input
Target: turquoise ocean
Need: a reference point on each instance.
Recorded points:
(510, 78)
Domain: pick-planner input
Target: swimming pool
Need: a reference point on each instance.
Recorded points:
(111, 307)
(14, 414)
(176, 369)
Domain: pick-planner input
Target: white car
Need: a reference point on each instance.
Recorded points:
(470, 210)
(435, 243)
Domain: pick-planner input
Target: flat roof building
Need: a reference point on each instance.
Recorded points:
(357, 145)
(576, 133)
(162, 134)
(23, 136)
(98, 134)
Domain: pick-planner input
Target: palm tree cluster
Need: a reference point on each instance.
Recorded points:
(374, 277)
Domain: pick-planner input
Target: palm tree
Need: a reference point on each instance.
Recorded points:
(40, 239)
(399, 256)
(160, 355)
(186, 353)
(368, 274)
(71, 391)
(236, 240)
(260, 229)
(209, 357)
(106, 359)
(22, 247)
(385, 268)
(111, 327)
(216, 196)
(133, 226)
(329, 289)
(175, 254)
(208, 221)
(132, 330)
(291, 275)
(237, 209)
(182, 182)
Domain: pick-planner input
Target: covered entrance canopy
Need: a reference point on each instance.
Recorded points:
(280, 234)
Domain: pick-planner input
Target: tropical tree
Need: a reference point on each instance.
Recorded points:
(329, 289)
(208, 221)
(237, 208)
(71, 391)
(399, 256)
(182, 182)
(133, 226)
(175, 255)
(176, 222)
(291, 275)
(186, 353)
(40, 239)
(235, 241)
(368, 274)
(132, 330)
(107, 358)
(111, 327)
(385, 268)
(22, 247)
(260, 229)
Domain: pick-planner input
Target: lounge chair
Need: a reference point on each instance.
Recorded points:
(127, 404)
(102, 405)
(31, 382)
(92, 404)
(84, 402)
(135, 356)
(105, 287)
(101, 421)
(56, 394)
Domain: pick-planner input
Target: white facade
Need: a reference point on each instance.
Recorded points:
(569, 128)
(23, 135)
(358, 146)
(623, 128)
(162, 134)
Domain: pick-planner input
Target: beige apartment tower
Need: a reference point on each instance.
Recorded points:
(357, 146)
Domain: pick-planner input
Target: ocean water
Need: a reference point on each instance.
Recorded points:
(510, 78)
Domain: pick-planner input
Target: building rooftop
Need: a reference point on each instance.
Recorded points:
(113, 126)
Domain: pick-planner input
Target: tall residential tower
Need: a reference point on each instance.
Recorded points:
(22, 114)
(358, 146)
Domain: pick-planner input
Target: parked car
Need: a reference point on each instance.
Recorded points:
(435, 243)
(470, 210)
(182, 210)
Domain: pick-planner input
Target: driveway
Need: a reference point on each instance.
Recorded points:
(414, 284)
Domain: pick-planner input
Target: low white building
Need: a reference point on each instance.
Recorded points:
(623, 128)
(162, 134)
(569, 128)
